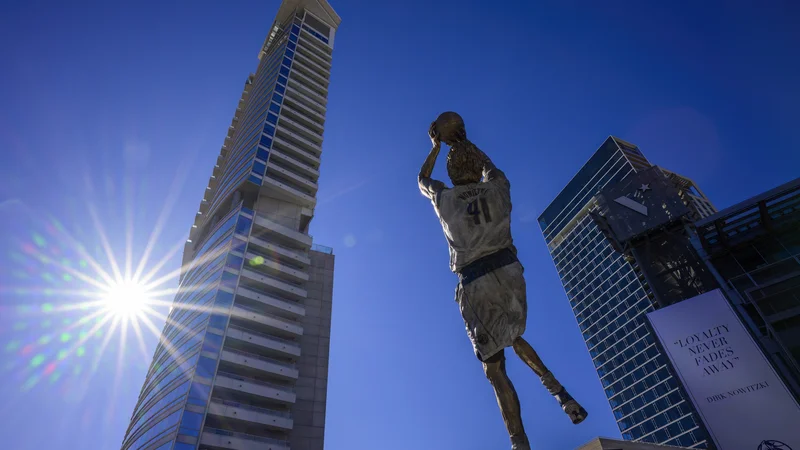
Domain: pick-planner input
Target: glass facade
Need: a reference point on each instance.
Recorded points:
(610, 302)
(754, 247)
(252, 293)
(186, 357)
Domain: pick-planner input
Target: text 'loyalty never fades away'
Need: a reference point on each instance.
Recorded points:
(713, 354)
(710, 349)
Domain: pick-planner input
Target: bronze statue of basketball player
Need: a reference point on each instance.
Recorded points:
(476, 217)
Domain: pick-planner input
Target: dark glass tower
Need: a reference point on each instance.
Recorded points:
(610, 302)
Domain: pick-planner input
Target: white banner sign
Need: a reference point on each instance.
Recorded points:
(741, 399)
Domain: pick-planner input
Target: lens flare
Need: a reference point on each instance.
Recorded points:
(84, 297)
(126, 300)
(73, 305)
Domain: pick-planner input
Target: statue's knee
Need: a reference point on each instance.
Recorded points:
(491, 369)
(519, 344)
(494, 366)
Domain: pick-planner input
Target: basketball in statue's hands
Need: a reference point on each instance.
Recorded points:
(450, 127)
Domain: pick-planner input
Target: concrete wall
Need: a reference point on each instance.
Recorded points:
(279, 211)
(312, 385)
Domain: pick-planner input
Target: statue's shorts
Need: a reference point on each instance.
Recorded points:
(492, 299)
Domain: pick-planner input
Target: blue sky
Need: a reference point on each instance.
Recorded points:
(121, 108)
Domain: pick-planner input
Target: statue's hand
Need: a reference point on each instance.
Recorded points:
(433, 133)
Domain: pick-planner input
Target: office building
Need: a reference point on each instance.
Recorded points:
(242, 361)
(610, 300)
(753, 248)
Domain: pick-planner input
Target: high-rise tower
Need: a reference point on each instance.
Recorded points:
(243, 359)
(610, 300)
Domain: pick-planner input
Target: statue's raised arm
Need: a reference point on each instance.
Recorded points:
(428, 186)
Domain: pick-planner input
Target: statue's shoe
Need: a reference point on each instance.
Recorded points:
(520, 443)
(573, 409)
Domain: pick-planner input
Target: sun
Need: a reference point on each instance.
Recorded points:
(125, 299)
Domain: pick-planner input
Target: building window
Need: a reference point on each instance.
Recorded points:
(190, 425)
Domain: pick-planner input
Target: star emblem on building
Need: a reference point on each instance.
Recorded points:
(644, 188)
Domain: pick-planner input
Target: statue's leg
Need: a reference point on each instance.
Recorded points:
(573, 409)
(529, 356)
(507, 400)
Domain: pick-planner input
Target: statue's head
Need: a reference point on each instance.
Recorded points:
(464, 164)
(450, 127)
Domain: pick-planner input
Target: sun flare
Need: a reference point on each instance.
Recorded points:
(78, 303)
(126, 299)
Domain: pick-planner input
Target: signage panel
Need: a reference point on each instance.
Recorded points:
(739, 396)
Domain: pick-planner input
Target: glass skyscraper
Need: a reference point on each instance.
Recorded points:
(610, 298)
(242, 362)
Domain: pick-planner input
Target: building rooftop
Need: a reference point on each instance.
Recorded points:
(770, 194)
(320, 8)
(766, 212)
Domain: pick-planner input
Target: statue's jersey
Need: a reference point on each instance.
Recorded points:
(476, 218)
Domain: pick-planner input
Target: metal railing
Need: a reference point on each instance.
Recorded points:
(289, 185)
(293, 251)
(302, 176)
(322, 249)
(314, 66)
(312, 96)
(300, 110)
(280, 387)
(267, 336)
(249, 437)
(270, 259)
(304, 166)
(275, 227)
(265, 314)
(285, 145)
(267, 275)
(273, 412)
(262, 358)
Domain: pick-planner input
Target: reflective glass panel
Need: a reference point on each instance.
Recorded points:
(190, 424)
(243, 225)
(238, 245)
(224, 301)
(198, 393)
(166, 446)
(229, 280)
(213, 343)
(266, 141)
(218, 321)
(234, 262)
(206, 367)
